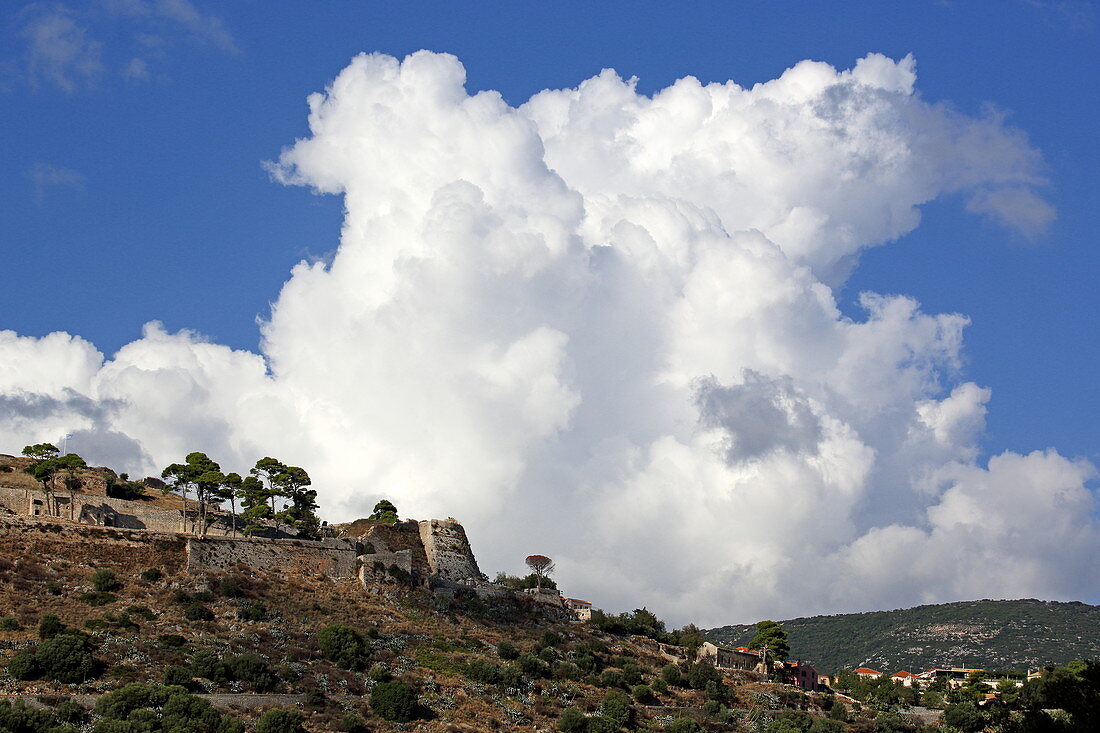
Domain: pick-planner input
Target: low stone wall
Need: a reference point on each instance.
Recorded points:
(334, 558)
(75, 543)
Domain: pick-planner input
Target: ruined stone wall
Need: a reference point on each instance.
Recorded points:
(103, 511)
(335, 558)
(448, 550)
(389, 539)
(115, 548)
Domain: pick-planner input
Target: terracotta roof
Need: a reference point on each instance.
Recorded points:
(578, 600)
(903, 673)
(867, 670)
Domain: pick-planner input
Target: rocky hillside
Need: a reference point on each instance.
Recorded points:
(994, 635)
(84, 611)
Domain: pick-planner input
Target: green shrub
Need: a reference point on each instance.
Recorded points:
(572, 720)
(66, 658)
(68, 711)
(565, 671)
(180, 676)
(53, 587)
(49, 626)
(252, 611)
(826, 725)
(632, 674)
(507, 652)
(611, 678)
(141, 707)
(18, 717)
(642, 694)
(548, 654)
(231, 587)
(550, 638)
(97, 598)
(699, 674)
(23, 665)
(207, 664)
(343, 645)
(143, 612)
(480, 670)
(151, 575)
(683, 725)
(10, 623)
(659, 685)
(104, 581)
(617, 708)
(196, 611)
(671, 675)
(532, 666)
(352, 723)
(601, 724)
(250, 669)
(394, 701)
(171, 641)
(379, 673)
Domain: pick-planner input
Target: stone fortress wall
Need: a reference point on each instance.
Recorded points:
(103, 511)
(334, 558)
(448, 551)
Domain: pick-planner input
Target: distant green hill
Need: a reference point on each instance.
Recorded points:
(993, 635)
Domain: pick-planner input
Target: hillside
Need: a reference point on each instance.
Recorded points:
(995, 635)
(251, 639)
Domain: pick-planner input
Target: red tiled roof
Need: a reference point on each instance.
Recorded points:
(867, 670)
(903, 673)
(578, 600)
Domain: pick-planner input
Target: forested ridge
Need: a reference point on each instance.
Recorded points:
(995, 635)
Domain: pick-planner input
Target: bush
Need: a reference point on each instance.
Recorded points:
(53, 587)
(66, 658)
(179, 676)
(611, 678)
(23, 665)
(68, 711)
(250, 669)
(97, 598)
(507, 652)
(10, 623)
(141, 707)
(601, 724)
(343, 645)
(483, 671)
(104, 581)
(207, 664)
(699, 674)
(18, 717)
(632, 674)
(50, 626)
(532, 666)
(254, 611)
(151, 575)
(352, 723)
(171, 641)
(394, 701)
(671, 675)
(231, 587)
(572, 720)
(683, 725)
(617, 708)
(565, 671)
(642, 694)
(659, 685)
(551, 639)
(198, 612)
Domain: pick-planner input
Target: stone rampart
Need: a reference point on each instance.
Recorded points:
(105, 511)
(335, 558)
(389, 539)
(448, 551)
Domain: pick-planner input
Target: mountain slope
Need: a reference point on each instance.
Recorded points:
(995, 635)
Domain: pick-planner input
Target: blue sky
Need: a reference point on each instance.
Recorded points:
(155, 205)
(136, 134)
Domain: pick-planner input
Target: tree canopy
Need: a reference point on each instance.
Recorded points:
(772, 635)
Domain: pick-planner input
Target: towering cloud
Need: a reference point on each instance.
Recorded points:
(602, 326)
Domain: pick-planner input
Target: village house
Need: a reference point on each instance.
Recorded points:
(955, 676)
(868, 673)
(724, 657)
(581, 609)
(904, 677)
(804, 675)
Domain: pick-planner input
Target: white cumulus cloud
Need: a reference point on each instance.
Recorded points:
(602, 326)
